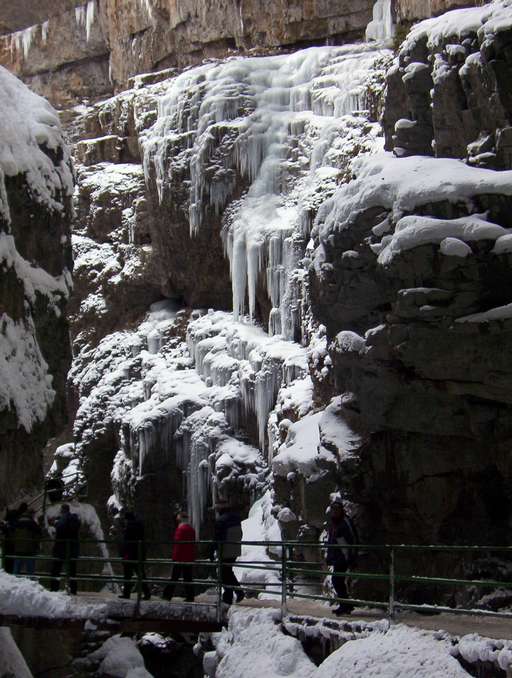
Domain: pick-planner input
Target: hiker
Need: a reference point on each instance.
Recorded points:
(133, 548)
(66, 547)
(7, 530)
(228, 537)
(26, 535)
(184, 555)
(341, 533)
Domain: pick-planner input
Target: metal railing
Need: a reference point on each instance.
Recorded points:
(293, 577)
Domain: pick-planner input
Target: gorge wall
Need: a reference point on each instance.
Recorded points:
(35, 282)
(276, 296)
(381, 282)
(109, 41)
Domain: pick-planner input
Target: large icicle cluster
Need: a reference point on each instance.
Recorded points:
(283, 127)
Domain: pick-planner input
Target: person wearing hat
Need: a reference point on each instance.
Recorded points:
(228, 537)
(342, 532)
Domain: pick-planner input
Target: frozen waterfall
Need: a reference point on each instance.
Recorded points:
(381, 27)
(271, 124)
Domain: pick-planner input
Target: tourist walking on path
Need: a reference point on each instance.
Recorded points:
(228, 537)
(66, 547)
(184, 554)
(133, 553)
(27, 535)
(7, 527)
(342, 532)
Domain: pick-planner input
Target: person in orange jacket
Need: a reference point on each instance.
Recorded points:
(184, 554)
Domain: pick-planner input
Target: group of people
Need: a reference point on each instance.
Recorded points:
(22, 535)
(21, 538)
(226, 547)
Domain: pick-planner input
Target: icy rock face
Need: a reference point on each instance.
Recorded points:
(174, 430)
(108, 42)
(411, 277)
(449, 92)
(115, 277)
(418, 369)
(240, 157)
(35, 281)
(260, 142)
(65, 71)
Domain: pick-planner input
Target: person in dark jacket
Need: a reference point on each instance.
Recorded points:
(27, 535)
(66, 548)
(7, 529)
(184, 555)
(133, 548)
(54, 488)
(228, 537)
(342, 532)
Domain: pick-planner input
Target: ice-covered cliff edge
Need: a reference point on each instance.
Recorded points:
(35, 268)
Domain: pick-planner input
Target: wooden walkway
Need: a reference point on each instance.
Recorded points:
(201, 616)
(104, 608)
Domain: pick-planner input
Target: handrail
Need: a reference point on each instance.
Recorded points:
(287, 571)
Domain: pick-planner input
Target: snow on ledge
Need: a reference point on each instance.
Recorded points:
(23, 597)
(498, 313)
(459, 23)
(29, 123)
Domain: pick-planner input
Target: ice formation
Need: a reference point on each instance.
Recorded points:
(381, 27)
(85, 15)
(286, 124)
(21, 41)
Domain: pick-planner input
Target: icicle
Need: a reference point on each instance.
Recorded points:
(381, 27)
(44, 32)
(154, 341)
(84, 17)
(80, 15)
(89, 20)
(22, 40)
(276, 120)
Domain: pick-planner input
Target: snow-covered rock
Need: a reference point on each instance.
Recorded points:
(35, 270)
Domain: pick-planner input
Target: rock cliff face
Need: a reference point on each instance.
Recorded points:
(412, 10)
(192, 406)
(358, 331)
(107, 42)
(35, 265)
(412, 279)
(449, 94)
(380, 283)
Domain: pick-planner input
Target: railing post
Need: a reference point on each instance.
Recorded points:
(391, 608)
(139, 576)
(219, 582)
(284, 607)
